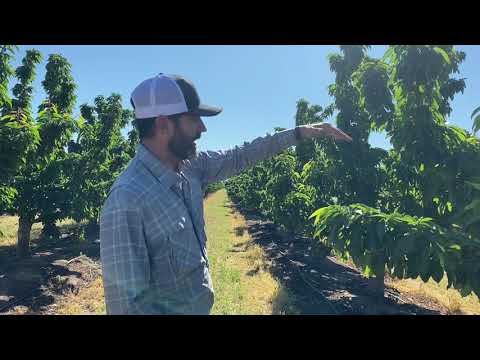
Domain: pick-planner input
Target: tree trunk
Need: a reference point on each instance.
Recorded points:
(93, 229)
(24, 229)
(50, 230)
(380, 287)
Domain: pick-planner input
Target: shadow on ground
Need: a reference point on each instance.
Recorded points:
(321, 285)
(29, 282)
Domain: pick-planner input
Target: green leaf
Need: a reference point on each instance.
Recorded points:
(477, 110)
(476, 124)
(442, 52)
(405, 244)
(332, 236)
(368, 272)
(398, 92)
(389, 54)
(433, 240)
(340, 242)
(399, 270)
(80, 122)
(380, 231)
(473, 205)
(465, 291)
(412, 267)
(436, 270)
(472, 220)
(449, 206)
(425, 276)
(318, 213)
(474, 185)
(356, 245)
(423, 259)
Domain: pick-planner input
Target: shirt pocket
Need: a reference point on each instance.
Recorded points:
(184, 249)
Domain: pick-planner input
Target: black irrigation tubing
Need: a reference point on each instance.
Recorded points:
(302, 276)
(332, 307)
(309, 283)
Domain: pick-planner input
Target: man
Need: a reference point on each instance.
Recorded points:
(152, 237)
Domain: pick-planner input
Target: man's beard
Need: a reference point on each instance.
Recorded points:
(182, 146)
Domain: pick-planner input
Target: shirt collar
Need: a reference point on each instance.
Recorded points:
(165, 175)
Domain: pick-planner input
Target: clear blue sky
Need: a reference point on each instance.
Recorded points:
(258, 86)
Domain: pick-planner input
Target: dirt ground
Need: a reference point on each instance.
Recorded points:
(327, 286)
(37, 284)
(318, 285)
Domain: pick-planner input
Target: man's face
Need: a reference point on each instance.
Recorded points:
(186, 130)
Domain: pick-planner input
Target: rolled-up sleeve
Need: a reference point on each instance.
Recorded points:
(212, 166)
(123, 251)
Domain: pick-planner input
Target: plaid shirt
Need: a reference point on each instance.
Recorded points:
(152, 236)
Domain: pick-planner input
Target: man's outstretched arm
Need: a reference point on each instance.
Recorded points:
(212, 166)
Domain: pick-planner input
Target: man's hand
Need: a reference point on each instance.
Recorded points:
(321, 130)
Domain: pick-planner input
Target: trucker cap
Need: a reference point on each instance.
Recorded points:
(169, 95)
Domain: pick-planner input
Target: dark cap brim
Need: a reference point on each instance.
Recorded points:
(206, 110)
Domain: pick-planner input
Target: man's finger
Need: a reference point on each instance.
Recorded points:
(340, 132)
(320, 125)
(326, 126)
(337, 133)
(330, 133)
(343, 135)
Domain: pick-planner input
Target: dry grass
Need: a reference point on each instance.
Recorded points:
(242, 282)
(88, 301)
(450, 299)
(433, 293)
(9, 227)
(18, 310)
